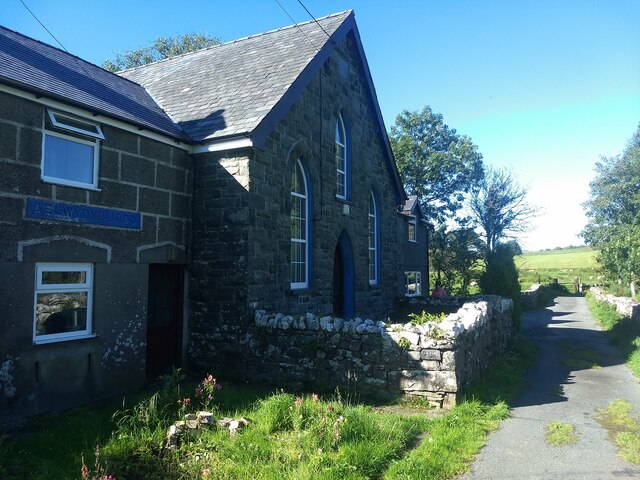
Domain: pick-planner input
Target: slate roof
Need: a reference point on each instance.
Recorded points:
(35, 66)
(229, 89)
(410, 205)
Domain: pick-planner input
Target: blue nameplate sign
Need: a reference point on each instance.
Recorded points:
(68, 212)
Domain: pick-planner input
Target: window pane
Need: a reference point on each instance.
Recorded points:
(61, 312)
(68, 160)
(49, 278)
(412, 231)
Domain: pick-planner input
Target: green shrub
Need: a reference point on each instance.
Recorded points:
(501, 278)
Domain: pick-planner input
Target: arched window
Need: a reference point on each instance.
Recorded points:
(374, 240)
(342, 162)
(300, 228)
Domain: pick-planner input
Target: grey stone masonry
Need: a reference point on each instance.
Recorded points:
(626, 306)
(136, 175)
(242, 240)
(436, 360)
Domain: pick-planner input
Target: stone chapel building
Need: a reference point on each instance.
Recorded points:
(145, 216)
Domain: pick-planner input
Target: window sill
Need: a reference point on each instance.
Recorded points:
(340, 199)
(67, 338)
(301, 291)
(72, 185)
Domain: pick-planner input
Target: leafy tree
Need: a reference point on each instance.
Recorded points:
(500, 208)
(162, 47)
(613, 213)
(454, 255)
(501, 278)
(435, 162)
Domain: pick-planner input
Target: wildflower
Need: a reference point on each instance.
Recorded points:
(206, 472)
(209, 397)
(187, 402)
(299, 401)
(85, 470)
(330, 408)
(108, 477)
(198, 391)
(315, 398)
(179, 402)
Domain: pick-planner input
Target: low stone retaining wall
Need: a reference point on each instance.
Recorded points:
(436, 360)
(624, 305)
(535, 296)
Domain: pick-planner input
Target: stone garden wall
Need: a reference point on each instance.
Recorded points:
(624, 305)
(536, 296)
(436, 360)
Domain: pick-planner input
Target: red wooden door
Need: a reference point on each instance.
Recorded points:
(164, 318)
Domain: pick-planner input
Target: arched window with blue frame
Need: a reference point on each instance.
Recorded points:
(343, 167)
(374, 241)
(300, 228)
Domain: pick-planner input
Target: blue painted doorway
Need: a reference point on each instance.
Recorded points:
(343, 279)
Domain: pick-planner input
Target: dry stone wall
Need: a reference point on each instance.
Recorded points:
(626, 306)
(436, 360)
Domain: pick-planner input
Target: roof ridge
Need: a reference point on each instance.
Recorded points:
(236, 40)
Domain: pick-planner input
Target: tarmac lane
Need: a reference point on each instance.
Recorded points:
(576, 374)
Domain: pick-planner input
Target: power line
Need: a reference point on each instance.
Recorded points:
(55, 38)
(43, 26)
(314, 18)
(295, 24)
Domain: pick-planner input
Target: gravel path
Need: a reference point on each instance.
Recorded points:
(561, 387)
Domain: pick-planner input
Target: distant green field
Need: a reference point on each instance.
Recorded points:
(564, 264)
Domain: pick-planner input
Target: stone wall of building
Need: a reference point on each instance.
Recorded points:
(136, 175)
(626, 306)
(307, 133)
(242, 226)
(436, 360)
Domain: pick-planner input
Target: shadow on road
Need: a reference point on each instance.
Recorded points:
(569, 341)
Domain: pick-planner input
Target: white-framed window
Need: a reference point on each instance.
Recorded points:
(413, 284)
(70, 152)
(299, 228)
(412, 228)
(63, 302)
(373, 240)
(342, 176)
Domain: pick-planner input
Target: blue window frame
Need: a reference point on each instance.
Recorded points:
(374, 241)
(300, 228)
(343, 167)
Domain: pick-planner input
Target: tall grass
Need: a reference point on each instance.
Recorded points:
(289, 437)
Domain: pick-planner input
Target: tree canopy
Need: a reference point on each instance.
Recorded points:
(500, 208)
(613, 212)
(161, 48)
(454, 255)
(435, 162)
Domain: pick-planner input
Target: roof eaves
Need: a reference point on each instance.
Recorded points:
(178, 135)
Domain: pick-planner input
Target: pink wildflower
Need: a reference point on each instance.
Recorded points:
(206, 472)
(187, 402)
(330, 408)
(299, 401)
(315, 398)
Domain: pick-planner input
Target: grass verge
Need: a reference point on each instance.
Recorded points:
(560, 433)
(621, 331)
(623, 428)
(454, 439)
(289, 437)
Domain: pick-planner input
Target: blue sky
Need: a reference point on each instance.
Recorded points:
(542, 87)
